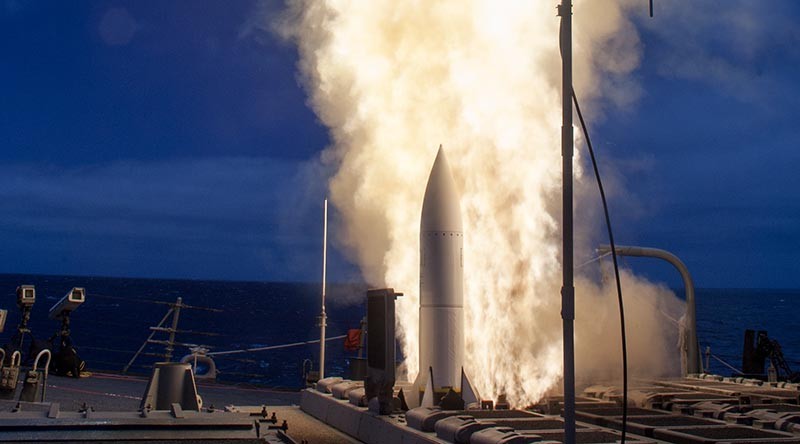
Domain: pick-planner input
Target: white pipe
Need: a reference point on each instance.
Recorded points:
(323, 316)
(692, 352)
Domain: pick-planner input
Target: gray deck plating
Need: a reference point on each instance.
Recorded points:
(695, 410)
(690, 410)
(110, 392)
(104, 408)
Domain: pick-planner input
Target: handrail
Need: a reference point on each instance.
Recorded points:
(45, 369)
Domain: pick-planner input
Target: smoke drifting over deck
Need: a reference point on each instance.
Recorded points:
(392, 80)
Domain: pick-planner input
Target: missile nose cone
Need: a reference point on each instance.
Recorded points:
(440, 208)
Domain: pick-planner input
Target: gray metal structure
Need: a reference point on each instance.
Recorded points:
(702, 409)
(568, 287)
(170, 343)
(174, 311)
(52, 424)
(381, 343)
(692, 350)
(171, 384)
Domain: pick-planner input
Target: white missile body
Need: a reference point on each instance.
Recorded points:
(441, 275)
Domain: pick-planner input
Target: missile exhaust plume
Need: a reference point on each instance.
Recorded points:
(392, 80)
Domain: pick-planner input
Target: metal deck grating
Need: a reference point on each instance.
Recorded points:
(681, 411)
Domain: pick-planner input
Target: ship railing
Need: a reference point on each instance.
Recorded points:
(172, 315)
(690, 351)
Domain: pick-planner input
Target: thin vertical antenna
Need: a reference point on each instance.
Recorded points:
(567, 288)
(323, 317)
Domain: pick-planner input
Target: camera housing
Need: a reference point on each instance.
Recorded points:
(26, 296)
(70, 302)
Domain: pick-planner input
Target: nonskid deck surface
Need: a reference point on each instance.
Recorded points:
(113, 392)
(105, 407)
(694, 410)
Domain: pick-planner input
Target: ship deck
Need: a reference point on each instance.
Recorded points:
(108, 395)
(113, 392)
(695, 410)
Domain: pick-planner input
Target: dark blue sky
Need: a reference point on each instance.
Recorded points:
(711, 152)
(164, 139)
(152, 138)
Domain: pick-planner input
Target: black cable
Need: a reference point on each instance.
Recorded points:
(616, 270)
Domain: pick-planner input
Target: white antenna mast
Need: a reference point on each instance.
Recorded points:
(323, 317)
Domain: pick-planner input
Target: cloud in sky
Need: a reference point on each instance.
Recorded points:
(117, 27)
(229, 217)
(13, 6)
(68, 179)
(729, 46)
(714, 130)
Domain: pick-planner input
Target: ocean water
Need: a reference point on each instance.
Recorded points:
(724, 314)
(114, 322)
(116, 318)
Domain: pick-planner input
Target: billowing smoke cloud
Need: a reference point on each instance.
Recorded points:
(392, 80)
(652, 315)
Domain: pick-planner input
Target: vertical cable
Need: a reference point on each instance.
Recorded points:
(616, 270)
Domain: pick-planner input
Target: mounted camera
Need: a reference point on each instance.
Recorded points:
(65, 358)
(69, 303)
(26, 296)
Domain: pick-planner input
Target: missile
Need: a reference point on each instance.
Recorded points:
(441, 276)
